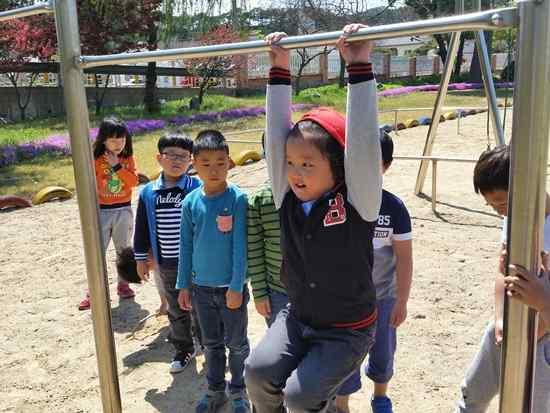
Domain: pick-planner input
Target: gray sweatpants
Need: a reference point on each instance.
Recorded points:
(301, 366)
(118, 225)
(482, 380)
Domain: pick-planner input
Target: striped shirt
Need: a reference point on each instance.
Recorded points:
(168, 217)
(264, 245)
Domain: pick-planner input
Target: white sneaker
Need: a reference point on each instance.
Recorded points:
(180, 362)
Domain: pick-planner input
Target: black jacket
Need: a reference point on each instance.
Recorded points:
(327, 264)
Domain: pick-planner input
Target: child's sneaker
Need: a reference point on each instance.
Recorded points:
(124, 290)
(240, 403)
(85, 304)
(180, 362)
(211, 402)
(381, 404)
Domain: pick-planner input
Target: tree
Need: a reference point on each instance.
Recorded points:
(114, 27)
(23, 41)
(208, 69)
(327, 15)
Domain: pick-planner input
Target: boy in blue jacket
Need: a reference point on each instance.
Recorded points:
(157, 230)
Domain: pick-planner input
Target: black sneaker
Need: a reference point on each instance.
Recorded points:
(180, 362)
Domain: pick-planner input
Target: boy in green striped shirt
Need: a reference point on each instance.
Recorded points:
(264, 255)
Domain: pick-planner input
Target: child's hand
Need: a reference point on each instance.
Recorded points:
(354, 52)
(399, 313)
(263, 307)
(184, 299)
(278, 56)
(499, 330)
(527, 288)
(143, 270)
(111, 158)
(502, 261)
(233, 299)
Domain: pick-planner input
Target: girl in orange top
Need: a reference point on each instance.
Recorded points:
(116, 178)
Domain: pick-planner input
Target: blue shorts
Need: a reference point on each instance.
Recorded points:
(379, 367)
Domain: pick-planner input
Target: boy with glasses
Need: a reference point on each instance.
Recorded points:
(157, 229)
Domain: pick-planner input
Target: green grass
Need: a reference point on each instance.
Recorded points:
(41, 128)
(27, 178)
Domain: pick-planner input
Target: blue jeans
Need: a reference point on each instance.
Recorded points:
(295, 364)
(221, 328)
(379, 368)
(278, 301)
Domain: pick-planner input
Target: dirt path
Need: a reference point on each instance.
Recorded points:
(47, 355)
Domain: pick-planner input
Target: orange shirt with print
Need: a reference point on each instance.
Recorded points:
(115, 187)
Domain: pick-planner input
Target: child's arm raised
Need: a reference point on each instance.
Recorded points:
(362, 153)
(278, 117)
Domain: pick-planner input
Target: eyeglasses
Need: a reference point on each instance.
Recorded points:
(175, 157)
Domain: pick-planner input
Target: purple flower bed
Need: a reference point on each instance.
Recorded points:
(434, 88)
(59, 144)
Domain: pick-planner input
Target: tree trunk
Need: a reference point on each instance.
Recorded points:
(100, 94)
(342, 74)
(298, 80)
(475, 67)
(441, 47)
(150, 99)
(459, 57)
(202, 90)
(22, 102)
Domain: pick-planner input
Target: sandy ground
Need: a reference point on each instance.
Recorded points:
(47, 354)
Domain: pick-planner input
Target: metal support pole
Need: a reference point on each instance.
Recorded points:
(39, 8)
(487, 76)
(447, 71)
(395, 122)
(530, 134)
(434, 185)
(77, 119)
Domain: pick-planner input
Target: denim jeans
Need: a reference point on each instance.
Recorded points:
(380, 365)
(222, 327)
(303, 367)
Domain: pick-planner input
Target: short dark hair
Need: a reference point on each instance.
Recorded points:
(210, 140)
(492, 170)
(386, 144)
(178, 140)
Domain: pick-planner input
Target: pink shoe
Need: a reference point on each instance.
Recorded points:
(85, 304)
(124, 290)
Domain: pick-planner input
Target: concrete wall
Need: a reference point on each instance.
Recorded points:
(49, 100)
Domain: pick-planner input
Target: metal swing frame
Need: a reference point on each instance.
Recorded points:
(530, 134)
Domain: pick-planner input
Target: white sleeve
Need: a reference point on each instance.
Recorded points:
(363, 158)
(279, 123)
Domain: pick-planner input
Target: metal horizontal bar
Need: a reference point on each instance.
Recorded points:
(242, 132)
(444, 108)
(39, 8)
(434, 158)
(487, 20)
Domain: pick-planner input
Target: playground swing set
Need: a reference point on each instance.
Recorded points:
(530, 135)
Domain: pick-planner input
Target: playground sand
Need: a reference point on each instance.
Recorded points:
(47, 353)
